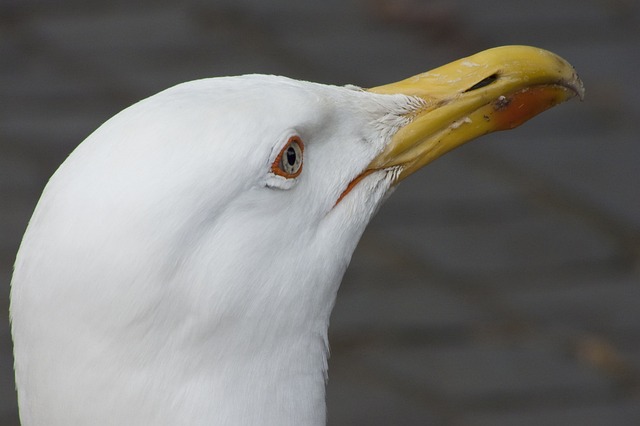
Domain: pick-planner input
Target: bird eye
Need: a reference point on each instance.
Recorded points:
(288, 163)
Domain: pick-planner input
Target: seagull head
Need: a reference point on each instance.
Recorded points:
(182, 263)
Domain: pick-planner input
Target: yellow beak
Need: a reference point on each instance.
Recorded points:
(497, 89)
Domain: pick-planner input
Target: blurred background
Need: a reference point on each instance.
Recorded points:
(499, 286)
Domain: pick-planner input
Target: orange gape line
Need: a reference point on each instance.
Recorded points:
(353, 184)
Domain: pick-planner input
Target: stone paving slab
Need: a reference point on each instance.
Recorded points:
(496, 287)
(479, 374)
(609, 306)
(521, 244)
(364, 306)
(356, 398)
(623, 413)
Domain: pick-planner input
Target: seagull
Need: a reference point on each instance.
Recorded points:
(181, 265)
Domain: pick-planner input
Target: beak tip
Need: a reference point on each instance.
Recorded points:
(577, 86)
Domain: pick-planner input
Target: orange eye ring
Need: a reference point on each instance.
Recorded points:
(288, 163)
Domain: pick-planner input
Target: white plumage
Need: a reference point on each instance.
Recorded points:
(173, 275)
(173, 279)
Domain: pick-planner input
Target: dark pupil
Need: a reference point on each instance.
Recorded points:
(291, 156)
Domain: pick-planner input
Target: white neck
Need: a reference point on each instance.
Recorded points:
(227, 344)
(125, 316)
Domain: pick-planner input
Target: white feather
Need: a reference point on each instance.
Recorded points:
(168, 278)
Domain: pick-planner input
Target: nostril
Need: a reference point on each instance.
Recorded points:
(482, 83)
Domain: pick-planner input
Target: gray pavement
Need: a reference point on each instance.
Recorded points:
(499, 286)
